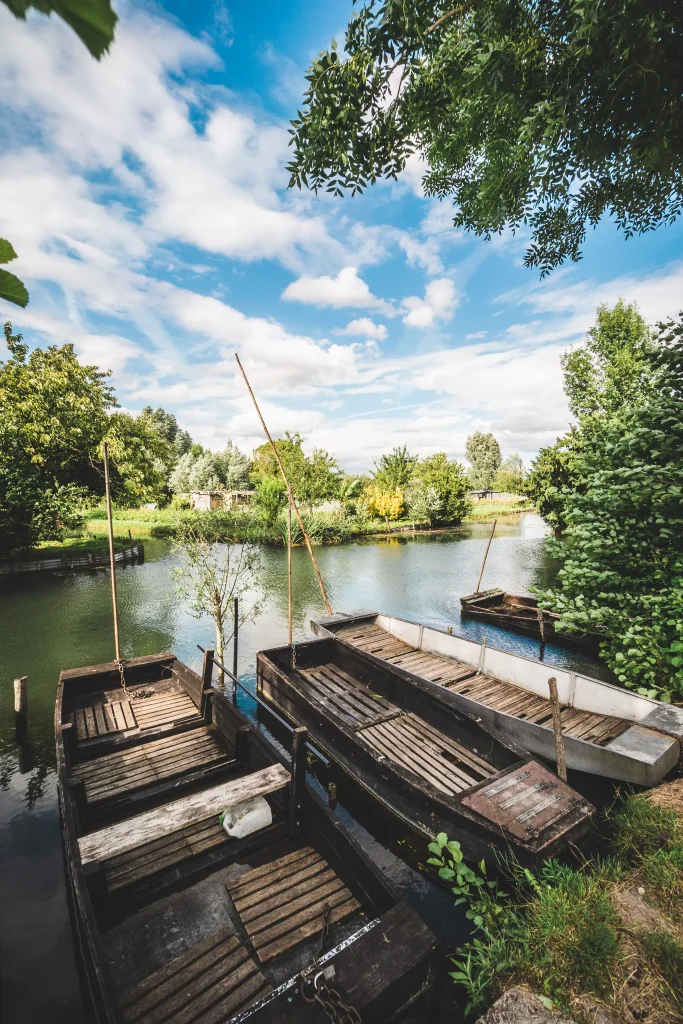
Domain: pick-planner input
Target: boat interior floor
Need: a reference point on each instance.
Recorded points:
(161, 705)
(494, 693)
(204, 953)
(401, 737)
(123, 771)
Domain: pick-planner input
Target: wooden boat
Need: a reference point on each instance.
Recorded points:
(608, 731)
(522, 615)
(174, 919)
(435, 769)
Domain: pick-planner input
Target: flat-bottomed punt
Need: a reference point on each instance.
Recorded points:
(608, 731)
(175, 919)
(435, 769)
(521, 614)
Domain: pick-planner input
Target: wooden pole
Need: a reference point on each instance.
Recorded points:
(205, 707)
(298, 784)
(112, 561)
(234, 648)
(541, 623)
(486, 555)
(21, 705)
(328, 607)
(557, 730)
(289, 566)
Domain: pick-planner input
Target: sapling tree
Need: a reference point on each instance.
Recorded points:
(211, 575)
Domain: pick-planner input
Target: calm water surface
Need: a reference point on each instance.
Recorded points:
(50, 622)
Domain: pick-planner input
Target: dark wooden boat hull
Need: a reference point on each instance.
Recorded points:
(383, 968)
(418, 807)
(519, 614)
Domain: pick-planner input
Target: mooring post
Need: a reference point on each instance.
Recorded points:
(332, 795)
(541, 623)
(557, 730)
(21, 705)
(234, 649)
(207, 688)
(298, 784)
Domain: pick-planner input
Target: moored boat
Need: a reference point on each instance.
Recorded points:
(208, 882)
(608, 731)
(435, 769)
(521, 614)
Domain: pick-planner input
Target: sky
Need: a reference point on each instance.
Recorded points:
(146, 195)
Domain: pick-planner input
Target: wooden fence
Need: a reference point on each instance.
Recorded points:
(91, 560)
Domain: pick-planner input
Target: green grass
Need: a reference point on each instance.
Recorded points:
(80, 545)
(483, 510)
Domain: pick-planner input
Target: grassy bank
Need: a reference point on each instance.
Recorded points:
(609, 933)
(483, 510)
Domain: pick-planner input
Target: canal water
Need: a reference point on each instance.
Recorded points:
(49, 622)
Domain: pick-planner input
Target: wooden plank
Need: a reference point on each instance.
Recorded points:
(304, 931)
(180, 963)
(81, 729)
(274, 867)
(126, 835)
(100, 722)
(262, 891)
(90, 722)
(439, 739)
(262, 921)
(128, 714)
(254, 987)
(109, 715)
(394, 746)
(293, 893)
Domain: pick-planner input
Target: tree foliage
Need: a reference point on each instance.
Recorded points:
(139, 458)
(622, 571)
(511, 475)
(439, 491)
(483, 452)
(545, 114)
(199, 470)
(555, 474)
(394, 469)
(270, 497)
(313, 479)
(384, 503)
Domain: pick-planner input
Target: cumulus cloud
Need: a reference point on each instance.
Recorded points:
(364, 327)
(347, 289)
(439, 303)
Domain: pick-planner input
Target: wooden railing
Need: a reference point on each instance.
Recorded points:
(90, 560)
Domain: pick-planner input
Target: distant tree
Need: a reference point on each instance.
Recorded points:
(511, 475)
(545, 116)
(483, 452)
(269, 497)
(200, 470)
(319, 480)
(350, 487)
(384, 503)
(166, 423)
(448, 480)
(313, 478)
(613, 368)
(555, 473)
(139, 458)
(290, 449)
(395, 469)
(425, 504)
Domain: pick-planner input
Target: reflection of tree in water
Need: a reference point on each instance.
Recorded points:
(33, 760)
(305, 590)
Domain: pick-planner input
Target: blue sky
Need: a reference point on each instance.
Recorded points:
(147, 198)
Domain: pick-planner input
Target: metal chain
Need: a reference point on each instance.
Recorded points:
(316, 989)
(120, 664)
(138, 694)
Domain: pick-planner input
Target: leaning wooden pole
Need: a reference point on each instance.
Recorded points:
(289, 564)
(486, 555)
(557, 730)
(328, 607)
(112, 561)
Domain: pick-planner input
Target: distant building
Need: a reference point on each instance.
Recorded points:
(204, 501)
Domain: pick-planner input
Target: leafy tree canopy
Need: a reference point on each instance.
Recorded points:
(511, 475)
(555, 473)
(199, 470)
(440, 490)
(546, 114)
(395, 469)
(139, 457)
(314, 479)
(483, 452)
(166, 425)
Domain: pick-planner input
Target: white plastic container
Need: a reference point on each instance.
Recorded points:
(241, 820)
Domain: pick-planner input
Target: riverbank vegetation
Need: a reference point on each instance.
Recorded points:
(608, 933)
(614, 487)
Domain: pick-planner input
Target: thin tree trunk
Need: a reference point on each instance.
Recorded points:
(220, 645)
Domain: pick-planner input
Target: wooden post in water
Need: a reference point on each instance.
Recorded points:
(21, 706)
(289, 565)
(207, 688)
(297, 788)
(234, 648)
(112, 561)
(557, 730)
(541, 623)
(328, 607)
(486, 555)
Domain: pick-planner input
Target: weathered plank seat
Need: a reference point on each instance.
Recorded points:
(189, 810)
(144, 861)
(285, 902)
(344, 697)
(437, 759)
(125, 770)
(103, 719)
(206, 985)
(118, 713)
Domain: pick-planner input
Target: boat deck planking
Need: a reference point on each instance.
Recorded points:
(494, 693)
(206, 985)
(287, 901)
(344, 696)
(150, 858)
(125, 770)
(116, 713)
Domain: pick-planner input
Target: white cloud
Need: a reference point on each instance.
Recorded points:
(364, 327)
(347, 289)
(439, 303)
(475, 335)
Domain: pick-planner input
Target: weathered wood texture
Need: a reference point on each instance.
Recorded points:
(160, 854)
(428, 753)
(494, 693)
(125, 770)
(343, 696)
(163, 821)
(207, 985)
(103, 718)
(285, 902)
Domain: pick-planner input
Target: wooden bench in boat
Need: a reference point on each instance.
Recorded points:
(208, 984)
(124, 770)
(285, 902)
(494, 693)
(344, 697)
(156, 710)
(123, 836)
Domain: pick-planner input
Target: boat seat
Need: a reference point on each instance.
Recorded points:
(120, 714)
(411, 742)
(208, 984)
(162, 821)
(103, 719)
(124, 770)
(344, 697)
(285, 902)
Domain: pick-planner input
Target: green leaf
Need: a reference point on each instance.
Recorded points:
(547, 1002)
(12, 289)
(7, 252)
(442, 839)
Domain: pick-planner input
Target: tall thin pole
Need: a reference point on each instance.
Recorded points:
(486, 555)
(328, 607)
(234, 647)
(112, 562)
(289, 563)
(560, 756)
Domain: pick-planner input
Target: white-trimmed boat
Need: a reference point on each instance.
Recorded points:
(608, 731)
